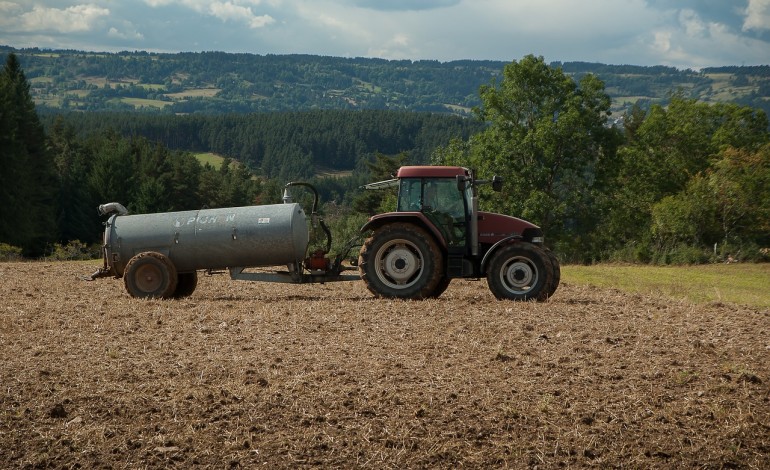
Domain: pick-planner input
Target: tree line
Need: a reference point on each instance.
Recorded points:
(236, 82)
(286, 145)
(688, 182)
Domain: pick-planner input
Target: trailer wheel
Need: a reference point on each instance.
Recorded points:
(520, 271)
(186, 284)
(150, 275)
(401, 261)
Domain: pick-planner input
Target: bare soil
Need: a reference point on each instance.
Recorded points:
(251, 374)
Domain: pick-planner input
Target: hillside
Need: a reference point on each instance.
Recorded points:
(216, 82)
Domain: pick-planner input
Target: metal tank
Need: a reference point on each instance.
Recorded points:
(251, 236)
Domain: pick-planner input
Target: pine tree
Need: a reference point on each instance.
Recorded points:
(28, 181)
(76, 218)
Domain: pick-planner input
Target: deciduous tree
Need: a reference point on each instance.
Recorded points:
(547, 136)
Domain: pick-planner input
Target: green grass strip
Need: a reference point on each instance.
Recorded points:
(745, 284)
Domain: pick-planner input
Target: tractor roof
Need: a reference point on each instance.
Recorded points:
(431, 171)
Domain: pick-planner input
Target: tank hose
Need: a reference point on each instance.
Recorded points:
(313, 211)
(307, 185)
(328, 234)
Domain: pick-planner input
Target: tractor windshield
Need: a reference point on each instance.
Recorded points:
(442, 195)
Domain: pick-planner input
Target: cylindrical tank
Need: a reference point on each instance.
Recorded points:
(250, 236)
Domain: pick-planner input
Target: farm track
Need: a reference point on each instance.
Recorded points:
(250, 374)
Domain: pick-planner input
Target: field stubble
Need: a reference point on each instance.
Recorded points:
(250, 374)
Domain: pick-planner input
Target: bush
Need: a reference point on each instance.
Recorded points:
(10, 252)
(632, 253)
(74, 250)
(345, 225)
(740, 252)
(682, 254)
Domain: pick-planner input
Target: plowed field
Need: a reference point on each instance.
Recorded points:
(251, 374)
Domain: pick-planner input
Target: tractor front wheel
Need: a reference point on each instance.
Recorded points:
(520, 271)
(401, 261)
(150, 275)
(556, 268)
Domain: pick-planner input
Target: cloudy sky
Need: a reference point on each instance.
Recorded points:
(680, 33)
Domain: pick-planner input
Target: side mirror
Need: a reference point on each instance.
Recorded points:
(497, 183)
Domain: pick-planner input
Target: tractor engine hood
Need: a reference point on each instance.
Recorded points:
(494, 227)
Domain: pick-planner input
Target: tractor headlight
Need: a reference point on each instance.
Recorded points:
(538, 239)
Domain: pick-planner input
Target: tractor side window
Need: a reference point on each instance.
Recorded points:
(409, 195)
(443, 203)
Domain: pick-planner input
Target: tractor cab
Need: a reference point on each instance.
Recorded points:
(444, 198)
(439, 199)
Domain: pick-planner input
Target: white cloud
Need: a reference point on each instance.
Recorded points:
(229, 11)
(662, 42)
(9, 7)
(197, 5)
(397, 47)
(691, 42)
(327, 23)
(113, 32)
(392, 5)
(757, 15)
(692, 23)
(73, 19)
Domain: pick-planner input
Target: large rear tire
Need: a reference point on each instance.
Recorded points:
(441, 287)
(401, 261)
(150, 275)
(520, 271)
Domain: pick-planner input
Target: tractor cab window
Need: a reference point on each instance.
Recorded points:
(445, 205)
(441, 195)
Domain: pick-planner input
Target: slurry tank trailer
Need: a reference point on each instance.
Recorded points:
(436, 234)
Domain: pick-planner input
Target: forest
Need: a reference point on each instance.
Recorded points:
(285, 145)
(684, 182)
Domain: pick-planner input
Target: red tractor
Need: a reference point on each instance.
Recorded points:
(438, 233)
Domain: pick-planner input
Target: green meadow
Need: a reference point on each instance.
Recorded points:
(744, 283)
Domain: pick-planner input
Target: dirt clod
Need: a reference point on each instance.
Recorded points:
(58, 411)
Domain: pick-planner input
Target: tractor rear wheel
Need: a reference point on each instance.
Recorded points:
(150, 275)
(401, 261)
(520, 271)
(441, 287)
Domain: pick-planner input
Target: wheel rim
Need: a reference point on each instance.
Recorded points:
(518, 275)
(398, 263)
(148, 278)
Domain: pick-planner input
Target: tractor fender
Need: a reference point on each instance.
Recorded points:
(417, 218)
(490, 253)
